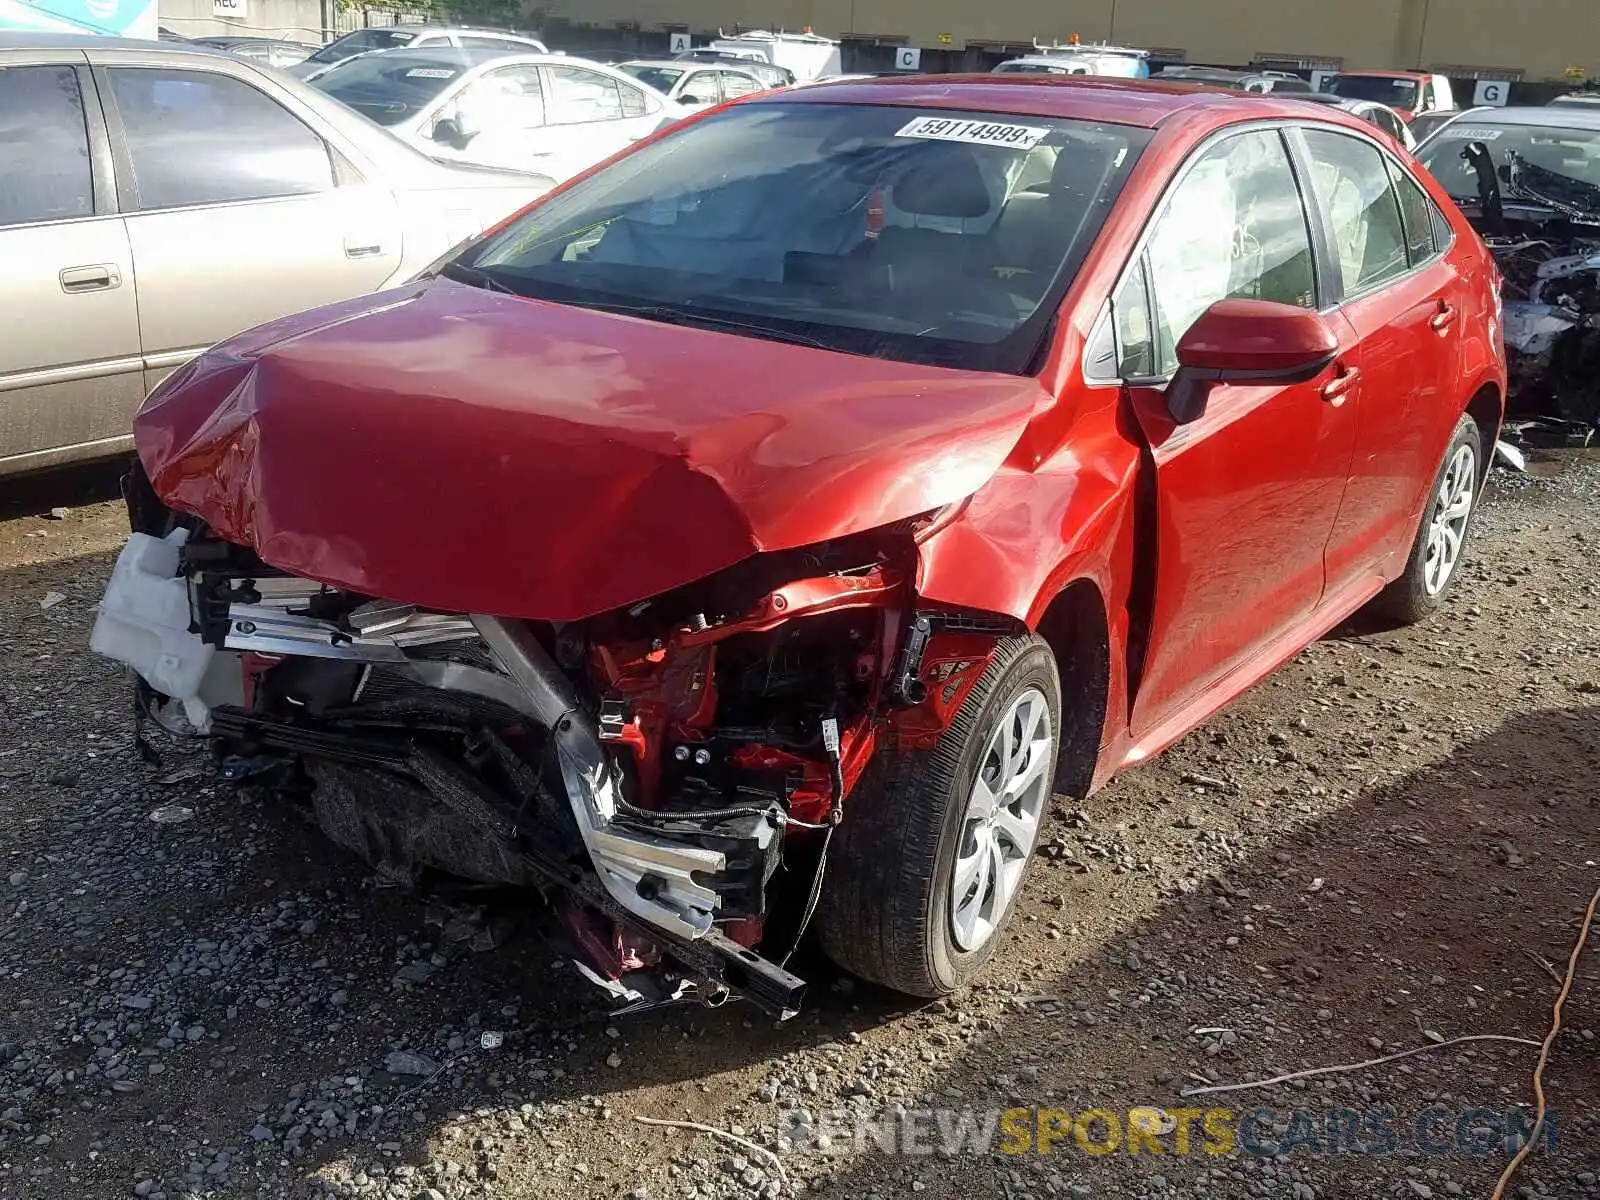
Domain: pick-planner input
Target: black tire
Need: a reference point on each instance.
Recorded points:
(1408, 600)
(885, 912)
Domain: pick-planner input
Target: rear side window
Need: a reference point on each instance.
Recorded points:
(196, 137)
(579, 96)
(1417, 215)
(1234, 227)
(44, 146)
(1351, 182)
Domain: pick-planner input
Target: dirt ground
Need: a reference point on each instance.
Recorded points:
(1386, 845)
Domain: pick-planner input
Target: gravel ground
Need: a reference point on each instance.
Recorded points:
(1372, 851)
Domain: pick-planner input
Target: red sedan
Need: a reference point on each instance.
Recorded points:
(824, 483)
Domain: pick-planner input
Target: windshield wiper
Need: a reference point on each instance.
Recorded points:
(477, 277)
(668, 315)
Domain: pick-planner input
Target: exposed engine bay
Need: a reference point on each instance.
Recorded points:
(667, 774)
(1548, 251)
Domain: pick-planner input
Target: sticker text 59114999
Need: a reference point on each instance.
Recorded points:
(978, 133)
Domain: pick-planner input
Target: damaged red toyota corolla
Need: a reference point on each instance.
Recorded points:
(756, 533)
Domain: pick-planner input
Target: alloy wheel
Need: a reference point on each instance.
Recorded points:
(1001, 823)
(1447, 527)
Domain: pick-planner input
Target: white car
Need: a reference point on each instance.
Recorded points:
(1370, 111)
(542, 113)
(693, 85)
(415, 37)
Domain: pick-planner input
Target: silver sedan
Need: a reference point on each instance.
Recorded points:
(155, 199)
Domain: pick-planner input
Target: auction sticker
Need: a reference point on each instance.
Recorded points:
(429, 73)
(1473, 132)
(978, 133)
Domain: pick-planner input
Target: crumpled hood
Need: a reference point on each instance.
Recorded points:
(472, 451)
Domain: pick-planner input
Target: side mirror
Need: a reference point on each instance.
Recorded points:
(692, 98)
(449, 131)
(1247, 341)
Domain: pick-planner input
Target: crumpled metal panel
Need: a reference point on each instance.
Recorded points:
(477, 452)
(401, 830)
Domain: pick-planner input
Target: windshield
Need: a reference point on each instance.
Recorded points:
(1544, 164)
(660, 78)
(360, 42)
(388, 89)
(1396, 93)
(923, 235)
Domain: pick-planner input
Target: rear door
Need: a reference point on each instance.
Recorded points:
(70, 371)
(1401, 296)
(592, 115)
(1246, 496)
(238, 211)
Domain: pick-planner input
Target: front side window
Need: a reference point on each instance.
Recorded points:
(700, 88)
(1351, 182)
(1135, 340)
(735, 85)
(197, 137)
(507, 99)
(663, 79)
(44, 146)
(895, 232)
(579, 96)
(1234, 227)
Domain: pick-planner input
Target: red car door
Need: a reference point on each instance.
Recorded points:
(1245, 497)
(1402, 299)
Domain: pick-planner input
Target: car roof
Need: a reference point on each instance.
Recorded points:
(473, 29)
(1333, 101)
(233, 40)
(462, 56)
(1388, 74)
(1572, 116)
(1182, 72)
(91, 41)
(1140, 102)
(676, 64)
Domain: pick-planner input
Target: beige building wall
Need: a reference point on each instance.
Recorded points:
(1540, 38)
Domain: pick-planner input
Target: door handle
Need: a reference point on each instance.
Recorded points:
(99, 277)
(1337, 388)
(1445, 318)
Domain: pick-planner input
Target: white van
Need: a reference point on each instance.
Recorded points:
(1076, 59)
(805, 54)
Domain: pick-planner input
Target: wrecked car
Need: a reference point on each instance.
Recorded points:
(750, 538)
(1529, 180)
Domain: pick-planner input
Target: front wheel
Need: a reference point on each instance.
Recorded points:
(1440, 543)
(936, 844)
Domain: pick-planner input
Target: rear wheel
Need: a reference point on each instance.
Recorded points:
(1440, 544)
(936, 844)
